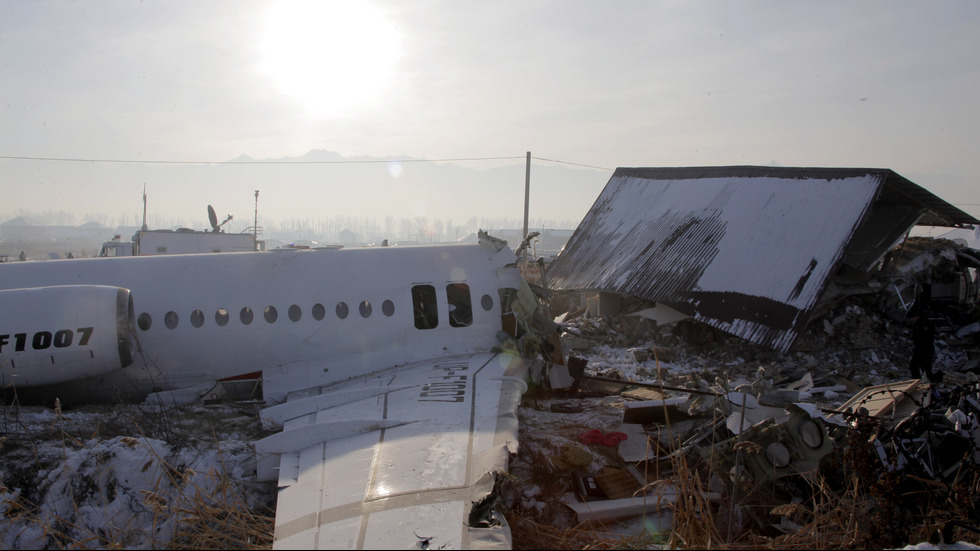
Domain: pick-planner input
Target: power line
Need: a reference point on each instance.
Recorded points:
(68, 160)
(349, 161)
(568, 163)
(340, 162)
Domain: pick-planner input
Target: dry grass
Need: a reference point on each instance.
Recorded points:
(852, 505)
(851, 502)
(830, 522)
(859, 508)
(530, 534)
(180, 510)
(223, 520)
(218, 520)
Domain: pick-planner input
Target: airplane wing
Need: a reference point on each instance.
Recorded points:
(405, 458)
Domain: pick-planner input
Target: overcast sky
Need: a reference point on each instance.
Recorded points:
(885, 84)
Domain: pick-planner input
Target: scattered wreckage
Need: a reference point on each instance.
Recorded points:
(774, 437)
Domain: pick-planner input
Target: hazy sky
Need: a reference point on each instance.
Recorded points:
(890, 84)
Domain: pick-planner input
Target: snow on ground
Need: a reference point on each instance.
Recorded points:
(129, 476)
(133, 475)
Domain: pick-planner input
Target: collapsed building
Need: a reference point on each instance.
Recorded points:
(754, 251)
(771, 366)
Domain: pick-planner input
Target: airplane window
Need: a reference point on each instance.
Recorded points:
(246, 315)
(319, 311)
(144, 321)
(388, 308)
(170, 320)
(197, 318)
(270, 313)
(486, 302)
(342, 310)
(460, 308)
(778, 454)
(424, 304)
(295, 313)
(365, 308)
(811, 433)
(221, 317)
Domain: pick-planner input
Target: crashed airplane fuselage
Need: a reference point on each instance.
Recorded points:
(379, 353)
(129, 326)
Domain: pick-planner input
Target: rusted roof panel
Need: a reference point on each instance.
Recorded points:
(745, 249)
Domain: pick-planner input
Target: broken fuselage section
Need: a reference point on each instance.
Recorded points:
(127, 326)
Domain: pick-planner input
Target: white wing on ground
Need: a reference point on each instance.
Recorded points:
(402, 459)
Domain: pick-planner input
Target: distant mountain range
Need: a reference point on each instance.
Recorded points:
(318, 185)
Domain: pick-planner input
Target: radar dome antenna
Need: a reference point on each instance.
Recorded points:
(213, 218)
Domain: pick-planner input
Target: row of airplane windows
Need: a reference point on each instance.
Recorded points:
(270, 314)
(423, 297)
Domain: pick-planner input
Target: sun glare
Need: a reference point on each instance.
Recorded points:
(334, 58)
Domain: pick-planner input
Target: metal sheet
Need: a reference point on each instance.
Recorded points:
(443, 427)
(745, 249)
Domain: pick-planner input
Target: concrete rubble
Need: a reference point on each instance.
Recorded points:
(767, 433)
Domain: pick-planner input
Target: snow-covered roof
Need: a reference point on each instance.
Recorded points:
(746, 249)
(19, 221)
(94, 225)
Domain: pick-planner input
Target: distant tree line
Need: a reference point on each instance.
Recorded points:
(420, 228)
(366, 229)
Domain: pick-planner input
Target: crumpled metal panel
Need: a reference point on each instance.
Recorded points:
(745, 249)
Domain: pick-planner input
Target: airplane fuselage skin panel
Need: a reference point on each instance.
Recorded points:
(286, 313)
(89, 332)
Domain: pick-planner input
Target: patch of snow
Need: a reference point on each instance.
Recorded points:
(124, 475)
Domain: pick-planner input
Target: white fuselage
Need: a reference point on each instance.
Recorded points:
(301, 317)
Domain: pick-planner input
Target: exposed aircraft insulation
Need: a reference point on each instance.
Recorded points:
(89, 333)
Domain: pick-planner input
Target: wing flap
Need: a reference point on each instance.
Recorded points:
(311, 404)
(400, 467)
(301, 436)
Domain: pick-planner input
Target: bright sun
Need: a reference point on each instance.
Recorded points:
(332, 57)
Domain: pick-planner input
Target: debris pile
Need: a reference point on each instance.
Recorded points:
(701, 437)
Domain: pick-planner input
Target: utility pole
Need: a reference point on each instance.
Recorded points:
(527, 198)
(144, 208)
(255, 224)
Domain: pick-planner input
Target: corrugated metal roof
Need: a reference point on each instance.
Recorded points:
(746, 249)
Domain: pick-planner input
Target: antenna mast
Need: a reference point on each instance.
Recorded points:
(527, 196)
(144, 207)
(255, 225)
